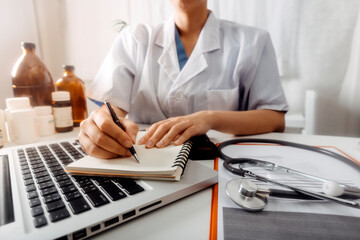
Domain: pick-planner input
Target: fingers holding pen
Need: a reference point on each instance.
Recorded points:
(131, 128)
(92, 149)
(106, 125)
(97, 143)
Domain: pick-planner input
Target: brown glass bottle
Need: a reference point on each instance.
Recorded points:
(71, 83)
(31, 78)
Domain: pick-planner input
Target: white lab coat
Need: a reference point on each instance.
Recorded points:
(232, 67)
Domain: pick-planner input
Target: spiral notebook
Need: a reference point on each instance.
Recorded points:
(156, 163)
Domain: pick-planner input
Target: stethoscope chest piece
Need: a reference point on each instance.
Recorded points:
(243, 193)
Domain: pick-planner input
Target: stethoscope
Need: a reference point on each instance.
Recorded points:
(247, 195)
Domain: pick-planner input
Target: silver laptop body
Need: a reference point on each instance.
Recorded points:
(39, 202)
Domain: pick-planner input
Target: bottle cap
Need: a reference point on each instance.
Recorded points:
(69, 67)
(28, 45)
(43, 110)
(23, 114)
(17, 102)
(60, 96)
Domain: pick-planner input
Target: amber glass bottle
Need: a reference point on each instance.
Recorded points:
(71, 83)
(31, 78)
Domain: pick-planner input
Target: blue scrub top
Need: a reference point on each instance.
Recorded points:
(182, 58)
(96, 102)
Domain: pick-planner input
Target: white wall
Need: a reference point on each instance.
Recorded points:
(11, 38)
(314, 40)
(85, 29)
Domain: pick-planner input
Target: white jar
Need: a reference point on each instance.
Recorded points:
(44, 121)
(3, 134)
(23, 126)
(16, 103)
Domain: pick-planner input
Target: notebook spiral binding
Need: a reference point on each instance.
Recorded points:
(183, 156)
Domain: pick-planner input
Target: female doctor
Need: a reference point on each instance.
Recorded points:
(185, 76)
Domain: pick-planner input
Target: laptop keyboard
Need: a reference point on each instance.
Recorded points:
(50, 190)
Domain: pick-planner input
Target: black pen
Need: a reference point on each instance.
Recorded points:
(117, 122)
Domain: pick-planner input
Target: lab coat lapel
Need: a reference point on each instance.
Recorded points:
(168, 60)
(195, 65)
(208, 41)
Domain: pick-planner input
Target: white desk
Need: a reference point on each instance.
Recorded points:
(189, 218)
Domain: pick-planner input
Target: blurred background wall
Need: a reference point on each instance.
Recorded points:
(317, 44)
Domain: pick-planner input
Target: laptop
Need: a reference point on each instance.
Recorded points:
(38, 200)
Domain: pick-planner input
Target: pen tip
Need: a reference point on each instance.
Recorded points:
(136, 158)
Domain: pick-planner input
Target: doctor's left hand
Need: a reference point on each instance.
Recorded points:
(176, 129)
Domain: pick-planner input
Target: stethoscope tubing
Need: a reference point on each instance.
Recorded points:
(245, 173)
(285, 143)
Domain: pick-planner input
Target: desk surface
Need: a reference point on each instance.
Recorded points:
(189, 218)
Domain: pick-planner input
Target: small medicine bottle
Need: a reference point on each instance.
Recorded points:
(75, 86)
(13, 104)
(44, 121)
(3, 135)
(23, 126)
(62, 111)
(1, 138)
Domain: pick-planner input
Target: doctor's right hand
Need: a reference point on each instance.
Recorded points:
(100, 137)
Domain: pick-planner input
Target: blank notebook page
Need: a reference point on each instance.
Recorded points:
(151, 160)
